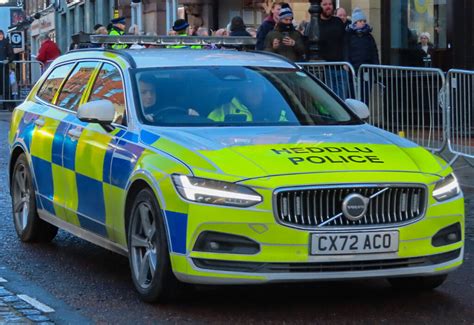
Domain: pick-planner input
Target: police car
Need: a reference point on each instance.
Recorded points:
(226, 167)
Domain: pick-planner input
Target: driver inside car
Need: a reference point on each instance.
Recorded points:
(152, 111)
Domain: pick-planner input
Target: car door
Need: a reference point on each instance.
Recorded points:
(68, 99)
(93, 150)
(43, 132)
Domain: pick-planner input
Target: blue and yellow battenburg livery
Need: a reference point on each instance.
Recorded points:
(236, 205)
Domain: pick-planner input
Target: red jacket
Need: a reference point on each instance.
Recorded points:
(48, 52)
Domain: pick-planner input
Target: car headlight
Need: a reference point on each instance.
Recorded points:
(210, 191)
(446, 188)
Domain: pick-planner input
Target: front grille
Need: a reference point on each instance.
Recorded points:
(310, 208)
(322, 267)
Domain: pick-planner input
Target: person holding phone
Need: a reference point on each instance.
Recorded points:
(285, 39)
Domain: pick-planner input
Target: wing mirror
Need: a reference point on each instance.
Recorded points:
(359, 108)
(99, 111)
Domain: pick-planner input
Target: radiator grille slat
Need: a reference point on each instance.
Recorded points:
(309, 208)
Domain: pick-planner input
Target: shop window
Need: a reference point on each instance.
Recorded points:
(409, 19)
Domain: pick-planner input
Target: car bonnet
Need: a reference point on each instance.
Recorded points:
(249, 152)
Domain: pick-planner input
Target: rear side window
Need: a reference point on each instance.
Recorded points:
(75, 85)
(53, 82)
(109, 85)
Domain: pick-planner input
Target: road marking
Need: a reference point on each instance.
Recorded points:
(35, 303)
(2, 280)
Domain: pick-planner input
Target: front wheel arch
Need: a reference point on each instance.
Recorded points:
(132, 193)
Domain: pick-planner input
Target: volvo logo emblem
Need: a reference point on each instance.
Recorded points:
(354, 206)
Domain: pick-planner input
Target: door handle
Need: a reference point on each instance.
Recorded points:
(74, 133)
(40, 122)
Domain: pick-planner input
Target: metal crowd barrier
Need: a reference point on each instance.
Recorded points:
(408, 101)
(339, 76)
(17, 79)
(460, 128)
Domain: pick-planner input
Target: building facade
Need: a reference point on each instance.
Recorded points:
(449, 23)
(397, 24)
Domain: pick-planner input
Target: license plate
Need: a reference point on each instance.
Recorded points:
(353, 243)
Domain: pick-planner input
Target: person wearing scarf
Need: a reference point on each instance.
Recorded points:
(359, 44)
(285, 39)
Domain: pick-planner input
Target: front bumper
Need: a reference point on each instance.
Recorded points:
(284, 254)
(300, 272)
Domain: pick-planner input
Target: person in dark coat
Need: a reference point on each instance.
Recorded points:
(331, 48)
(424, 51)
(268, 25)
(285, 39)
(237, 27)
(6, 56)
(360, 48)
(359, 45)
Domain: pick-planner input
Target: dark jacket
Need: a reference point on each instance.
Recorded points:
(293, 53)
(331, 40)
(360, 47)
(6, 51)
(239, 32)
(242, 32)
(423, 59)
(266, 27)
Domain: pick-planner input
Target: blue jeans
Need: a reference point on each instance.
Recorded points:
(338, 81)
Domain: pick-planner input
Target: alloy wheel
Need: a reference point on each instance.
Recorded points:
(21, 197)
(144, 244)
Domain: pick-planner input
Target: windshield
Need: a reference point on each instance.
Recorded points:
(235, 96)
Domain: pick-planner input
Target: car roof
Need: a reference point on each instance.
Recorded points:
(150, 58)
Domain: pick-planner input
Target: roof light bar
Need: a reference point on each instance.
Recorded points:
(174, 40)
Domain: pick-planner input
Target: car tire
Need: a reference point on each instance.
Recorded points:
(28, 225)
(421, 283)
(149, 257)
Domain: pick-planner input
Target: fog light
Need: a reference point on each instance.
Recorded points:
(447, 236)
(214, 245)
(453, 237)
(216, 242)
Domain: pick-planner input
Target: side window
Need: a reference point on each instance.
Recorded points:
(53, 82)
(109, 85)
(75, 86)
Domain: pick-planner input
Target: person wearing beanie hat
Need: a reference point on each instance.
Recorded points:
(285, 39)
(357, 15)
(118, 29)
(359, 45)
(285, 12)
